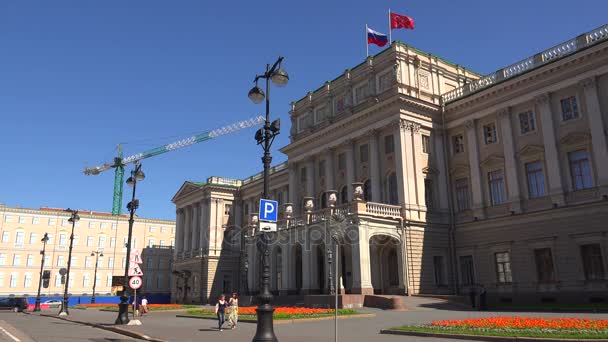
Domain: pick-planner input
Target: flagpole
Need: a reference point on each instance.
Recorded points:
(390, 30)
(366, 43)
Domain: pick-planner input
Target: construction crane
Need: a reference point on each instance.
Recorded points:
(120, 162)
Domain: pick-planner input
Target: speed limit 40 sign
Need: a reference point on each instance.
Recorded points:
(135, 282)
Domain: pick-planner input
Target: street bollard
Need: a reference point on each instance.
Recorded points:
(123, 311)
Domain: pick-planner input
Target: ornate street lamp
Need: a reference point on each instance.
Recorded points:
(97, 255)
(265, 137)
(137, 175)
(44, 240)
(64, 306)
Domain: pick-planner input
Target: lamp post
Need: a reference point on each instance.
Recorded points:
(64, 306)
(44, 240)
(97, 255)
(332, 198)
(265, 137)
(123, 308)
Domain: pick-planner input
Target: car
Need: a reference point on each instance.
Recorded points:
(53, 303)
(16, 304)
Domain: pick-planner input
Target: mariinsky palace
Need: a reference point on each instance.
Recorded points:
(430, 179)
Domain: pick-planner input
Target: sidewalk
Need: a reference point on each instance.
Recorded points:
(166, 326)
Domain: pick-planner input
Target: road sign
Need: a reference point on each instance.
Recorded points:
(135, 271)
(136, 259)
(269, 210)
(135, 282)
(268, 226)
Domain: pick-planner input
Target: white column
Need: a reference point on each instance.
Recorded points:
(179, 230)
(510, 162)
(361, 273)
(310, 178)
(551, 153)
(329, 170)
(293, 187)
(598, 134)
(194, 232)
(186, 235)
(476, 177)
(374, 162)
(202, 226)
(417, 163)
(438, 145)
(350, 169)
(400, 166)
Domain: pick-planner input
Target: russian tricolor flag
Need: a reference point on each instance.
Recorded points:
(375, 37)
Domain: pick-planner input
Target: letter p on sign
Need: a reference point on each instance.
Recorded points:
(268, 210)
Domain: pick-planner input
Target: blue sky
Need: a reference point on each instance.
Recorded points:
(78, 77)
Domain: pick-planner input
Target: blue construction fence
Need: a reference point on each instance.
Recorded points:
(155, 298)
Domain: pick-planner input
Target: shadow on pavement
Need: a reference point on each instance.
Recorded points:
(208, 329)
(447, 306)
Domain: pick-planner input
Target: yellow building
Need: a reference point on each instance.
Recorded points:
(21, 232)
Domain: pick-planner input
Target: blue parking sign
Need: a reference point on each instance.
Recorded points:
(268, 210)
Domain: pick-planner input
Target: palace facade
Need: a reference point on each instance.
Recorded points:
(430, 179)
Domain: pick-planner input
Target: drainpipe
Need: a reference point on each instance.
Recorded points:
(450, 204)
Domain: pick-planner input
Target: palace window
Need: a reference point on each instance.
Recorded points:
(342, 161)
(462, 194)
(527, 122)
(361, 92)
(19, 238)
(30, 260)
(580, 170)
(21, 219)
(303, 175)
(544, 265)
(2, 259)
(320, 114)
(63, 239)
(428, 193)
(6, 236)
(27, 281)
(489, 133)
(16, 260)
(389, 144)
(364, 153)
(33, 238)
(321, 168)
(593, 265)
(340, 103)
(439, 269)
(503, 267)
(496, 182)
(112, 242)
(536, 179)
(393, 196)
(467, 272)
(35, 220)
(384, 81)
(426, 143)
(60, 260)
(89, 241)
(458, 143)
(101, 243)
(569, 108)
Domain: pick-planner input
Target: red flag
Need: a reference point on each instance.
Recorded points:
(401, 21)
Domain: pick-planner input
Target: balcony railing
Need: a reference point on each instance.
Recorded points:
(276, 168)
(557, 52)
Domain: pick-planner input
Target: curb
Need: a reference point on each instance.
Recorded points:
(114, 329)
(484, 338)
(286, 321)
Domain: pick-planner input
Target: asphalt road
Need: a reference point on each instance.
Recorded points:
(18, 327)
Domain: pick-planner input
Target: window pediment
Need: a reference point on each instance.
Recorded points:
(430, 170)
(459, 169)
(493, 160)
(531, 152)
(575, 138)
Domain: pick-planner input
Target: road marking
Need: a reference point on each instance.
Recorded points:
(10, 335)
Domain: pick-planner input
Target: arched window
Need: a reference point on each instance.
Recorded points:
(367, 190)
(393, 198)
(344, 195)
(323, 200)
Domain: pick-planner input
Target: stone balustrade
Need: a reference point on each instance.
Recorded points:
(554, 53)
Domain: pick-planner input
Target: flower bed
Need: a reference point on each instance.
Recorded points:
(581, 328)
(249, 312)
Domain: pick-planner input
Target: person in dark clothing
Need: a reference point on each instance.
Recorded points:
(220, 309)
(482, 297)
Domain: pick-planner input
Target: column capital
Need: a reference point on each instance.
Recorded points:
(372, 133)
(542, 99)
(469, 124)
(409, 126)
(588, 83)
(504, 112)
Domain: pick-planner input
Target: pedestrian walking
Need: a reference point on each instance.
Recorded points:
(144, 305)
(220, 310)
(233, 317)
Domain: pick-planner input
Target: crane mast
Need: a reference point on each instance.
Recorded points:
(120, 162)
